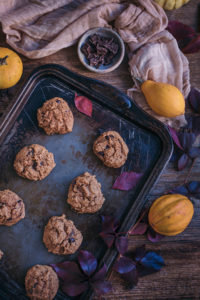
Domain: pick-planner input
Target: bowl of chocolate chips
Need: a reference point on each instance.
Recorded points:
(101, 50)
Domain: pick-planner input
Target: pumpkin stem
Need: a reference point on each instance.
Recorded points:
(3, 60)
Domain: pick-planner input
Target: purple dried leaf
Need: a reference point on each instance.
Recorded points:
(194, 152)
(140, 229)
(121, 243)
(88, 262)
(194, 188)
(109, 224)
(127, 181)
(150, 263)
(68, 271)
(180, 190)
(131, 278)
(108, 238)
(193, 124)
(175, 137)
(138, 253)
(154, 236)
(101, 274)
(194, 99)
(187, 139)
(183, 161)
(74, 289)
(124, 265)
(101, 287)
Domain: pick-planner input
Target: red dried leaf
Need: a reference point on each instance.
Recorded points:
(88, 262)
(68, 271)
(83, 105)
(140, 229)
(188, 40)
(175, 137)
(108, 238)
(126, 181)
(121, 244)
(194, 99)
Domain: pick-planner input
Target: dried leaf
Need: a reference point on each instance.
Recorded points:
(140, 229)
(190, 189)
(193, 124)
(139, 253)
(154, 236)
(175, 137)
(121, 244)
(108, 238)
(75, 289)
(109, 223)
(194, 99)
(187, 139)
(127, 181)
(131, 278)
(188, 40)
(83, 105)
(101, 287)
(150, 263)
(88, 262)
(183, 161)
(194, 152)
(124, 265)
(68, 271)
(101, 274)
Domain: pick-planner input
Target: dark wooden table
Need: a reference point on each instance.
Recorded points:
(180, 279)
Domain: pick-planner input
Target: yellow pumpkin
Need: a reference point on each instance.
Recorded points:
(171, 4)
(11, 68)
(163, 98)
(170, 214)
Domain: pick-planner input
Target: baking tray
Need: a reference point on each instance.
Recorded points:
(150, 148)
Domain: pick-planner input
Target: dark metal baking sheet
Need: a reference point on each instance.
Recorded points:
(150, 149)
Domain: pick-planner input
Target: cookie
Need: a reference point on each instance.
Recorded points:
(111, 149)
(55, 116)
(12, 208)
(41, 283)
(61, 236)
(1, 254)
(34, 162)
(85, 194)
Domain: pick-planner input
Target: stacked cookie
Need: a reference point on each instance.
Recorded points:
(34, 162)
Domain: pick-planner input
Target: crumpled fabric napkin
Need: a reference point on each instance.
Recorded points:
(38, 28)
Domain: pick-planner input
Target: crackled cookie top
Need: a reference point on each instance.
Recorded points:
(61, 236)
(41, 283)
(55, 116)
(85, 194)
(111, 149)
(34, 162)
(12, 208)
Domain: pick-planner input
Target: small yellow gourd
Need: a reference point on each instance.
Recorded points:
(164, 99)
(171, 4)
(11, 68)
(170, 214)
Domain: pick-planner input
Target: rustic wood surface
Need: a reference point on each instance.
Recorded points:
(180, 279)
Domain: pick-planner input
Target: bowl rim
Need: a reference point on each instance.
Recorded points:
(91, 31)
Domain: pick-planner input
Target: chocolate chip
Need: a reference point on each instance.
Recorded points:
(34, 165)
(111, 136)
(31, 151)
(58, 101)
(41, 163)
(101, 153)
(9, 219)
(107, 137)
(34, 286)
(19, 201)
(71, 240)
(107, 147)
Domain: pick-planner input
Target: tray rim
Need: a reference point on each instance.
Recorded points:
(129, 108)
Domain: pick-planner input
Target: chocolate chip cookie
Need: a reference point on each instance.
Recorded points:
(61, 236)
(55, 116)
(34, 162)
(12, 208)
(41, 283)
(111, 149)
(1, 254)
(85, 194)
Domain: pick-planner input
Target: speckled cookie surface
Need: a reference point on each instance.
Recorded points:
(85, 194)
(111, 149)
(55, 116)
(1, 254)
(61, 236)
(41, 283)
(34, 162)
(12, 208)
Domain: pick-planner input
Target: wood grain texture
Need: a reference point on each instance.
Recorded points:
(180, 278)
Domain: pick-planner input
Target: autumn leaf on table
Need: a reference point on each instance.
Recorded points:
(188, 40)
(78, 278)
(190, 189)
(138, 263)
(83, 104)
(126, 181)
(194, 99)
(110, 235)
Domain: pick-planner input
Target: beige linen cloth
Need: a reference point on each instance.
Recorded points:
(38, 28)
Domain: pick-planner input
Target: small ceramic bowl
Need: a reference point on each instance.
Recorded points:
(108, 33)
